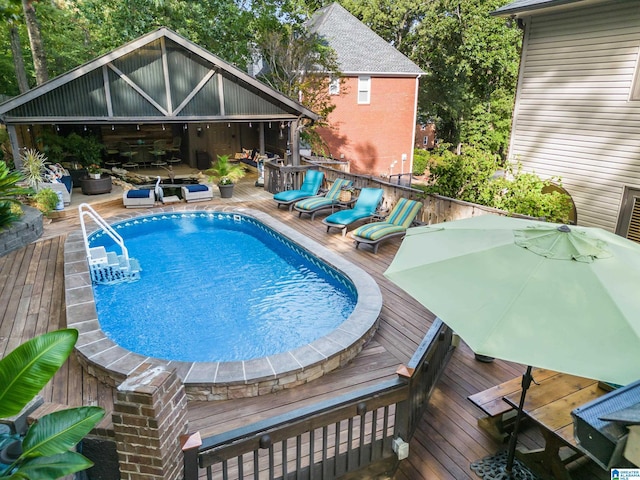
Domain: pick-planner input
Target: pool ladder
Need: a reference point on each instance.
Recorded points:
(107, 267)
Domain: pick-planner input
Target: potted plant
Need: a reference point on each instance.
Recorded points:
(225, 174)
(93, 170)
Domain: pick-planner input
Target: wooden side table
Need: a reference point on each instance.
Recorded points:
(96, 186)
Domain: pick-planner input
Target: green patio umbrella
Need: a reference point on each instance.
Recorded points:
(565, 298)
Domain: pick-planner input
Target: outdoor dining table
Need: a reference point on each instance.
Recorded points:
(549, 404)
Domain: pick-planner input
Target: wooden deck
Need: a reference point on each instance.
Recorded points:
(448, 438)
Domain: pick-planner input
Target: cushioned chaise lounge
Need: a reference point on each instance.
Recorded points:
(395, 225)
(309, 188)
(196, 193)
(140, 198)
(366, 205)
(313, 205)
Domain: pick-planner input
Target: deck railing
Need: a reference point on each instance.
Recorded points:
(436, 208)
(333, 438)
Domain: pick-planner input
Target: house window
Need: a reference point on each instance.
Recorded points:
(334, 86)
(364, 90)
(425, 140)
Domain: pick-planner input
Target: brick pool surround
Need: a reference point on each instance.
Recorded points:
(111, 363)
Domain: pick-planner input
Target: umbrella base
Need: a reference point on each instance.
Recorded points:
(493, 468)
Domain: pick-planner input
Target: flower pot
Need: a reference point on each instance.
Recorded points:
(95, 176)
(226, 191)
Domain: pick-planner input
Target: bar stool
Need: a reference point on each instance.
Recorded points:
(158, 152)
(112, 156)
(127, 154)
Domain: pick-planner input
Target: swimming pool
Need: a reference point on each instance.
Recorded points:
(218, 378)
(220, 287)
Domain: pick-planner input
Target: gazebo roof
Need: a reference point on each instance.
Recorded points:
(159, 78)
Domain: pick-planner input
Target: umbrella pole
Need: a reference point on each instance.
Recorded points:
(526, 382)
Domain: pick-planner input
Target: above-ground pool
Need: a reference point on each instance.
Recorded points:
(237, 302)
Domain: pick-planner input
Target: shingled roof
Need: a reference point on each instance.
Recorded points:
(522, 6)
(359, 49)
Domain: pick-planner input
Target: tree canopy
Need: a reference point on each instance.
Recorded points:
(470, 58)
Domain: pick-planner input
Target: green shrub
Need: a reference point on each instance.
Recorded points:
(465, 176)
(524, 195)
(420, 161)
(470, 177)
(45, 200)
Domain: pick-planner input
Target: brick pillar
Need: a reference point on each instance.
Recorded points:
(149, 416)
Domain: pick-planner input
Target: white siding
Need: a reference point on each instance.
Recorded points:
(573, 117)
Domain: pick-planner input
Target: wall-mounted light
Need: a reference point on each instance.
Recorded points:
(228, 125)
(85, 128)
(207, 126)
(57, 128)
(138, 127)
(113, 127)
(163, 126)
(249, 124)
(281, 134)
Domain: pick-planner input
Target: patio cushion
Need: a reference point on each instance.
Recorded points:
(138, 193)
(197, 188)
(374, 231)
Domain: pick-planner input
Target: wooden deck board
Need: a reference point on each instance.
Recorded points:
(447, 439)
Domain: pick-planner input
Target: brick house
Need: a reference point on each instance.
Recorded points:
(373, 126)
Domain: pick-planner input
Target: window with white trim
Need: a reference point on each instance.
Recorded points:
(364, 90)
(334, 86)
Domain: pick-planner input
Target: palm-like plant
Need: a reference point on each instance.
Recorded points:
(46, 447)
(9, 193)
(224, 172)
(33, 167)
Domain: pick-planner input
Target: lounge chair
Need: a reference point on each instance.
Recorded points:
(395, 225)
(365, 207)
(309, 188)
(196, 193)
(313, 205)
(140, 198)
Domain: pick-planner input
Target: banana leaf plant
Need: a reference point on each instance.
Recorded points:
(46, 447)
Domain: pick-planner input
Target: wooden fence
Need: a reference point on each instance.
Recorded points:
(339, 438)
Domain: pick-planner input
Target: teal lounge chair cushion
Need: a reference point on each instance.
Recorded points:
(310, 186)
(365, 206)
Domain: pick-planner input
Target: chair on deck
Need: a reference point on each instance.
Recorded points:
(196, 193)
(309, 188)
(395, 225)
(313, 205)
(141, 198)
(365, 207)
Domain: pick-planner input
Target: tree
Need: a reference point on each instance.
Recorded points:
(35, 40)
(299, 65)
(471, 59)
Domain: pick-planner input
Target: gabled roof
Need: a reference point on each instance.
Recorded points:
(359, 49)
(527, 6)
(160, 77)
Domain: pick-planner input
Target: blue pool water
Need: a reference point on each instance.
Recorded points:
(218, 287)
